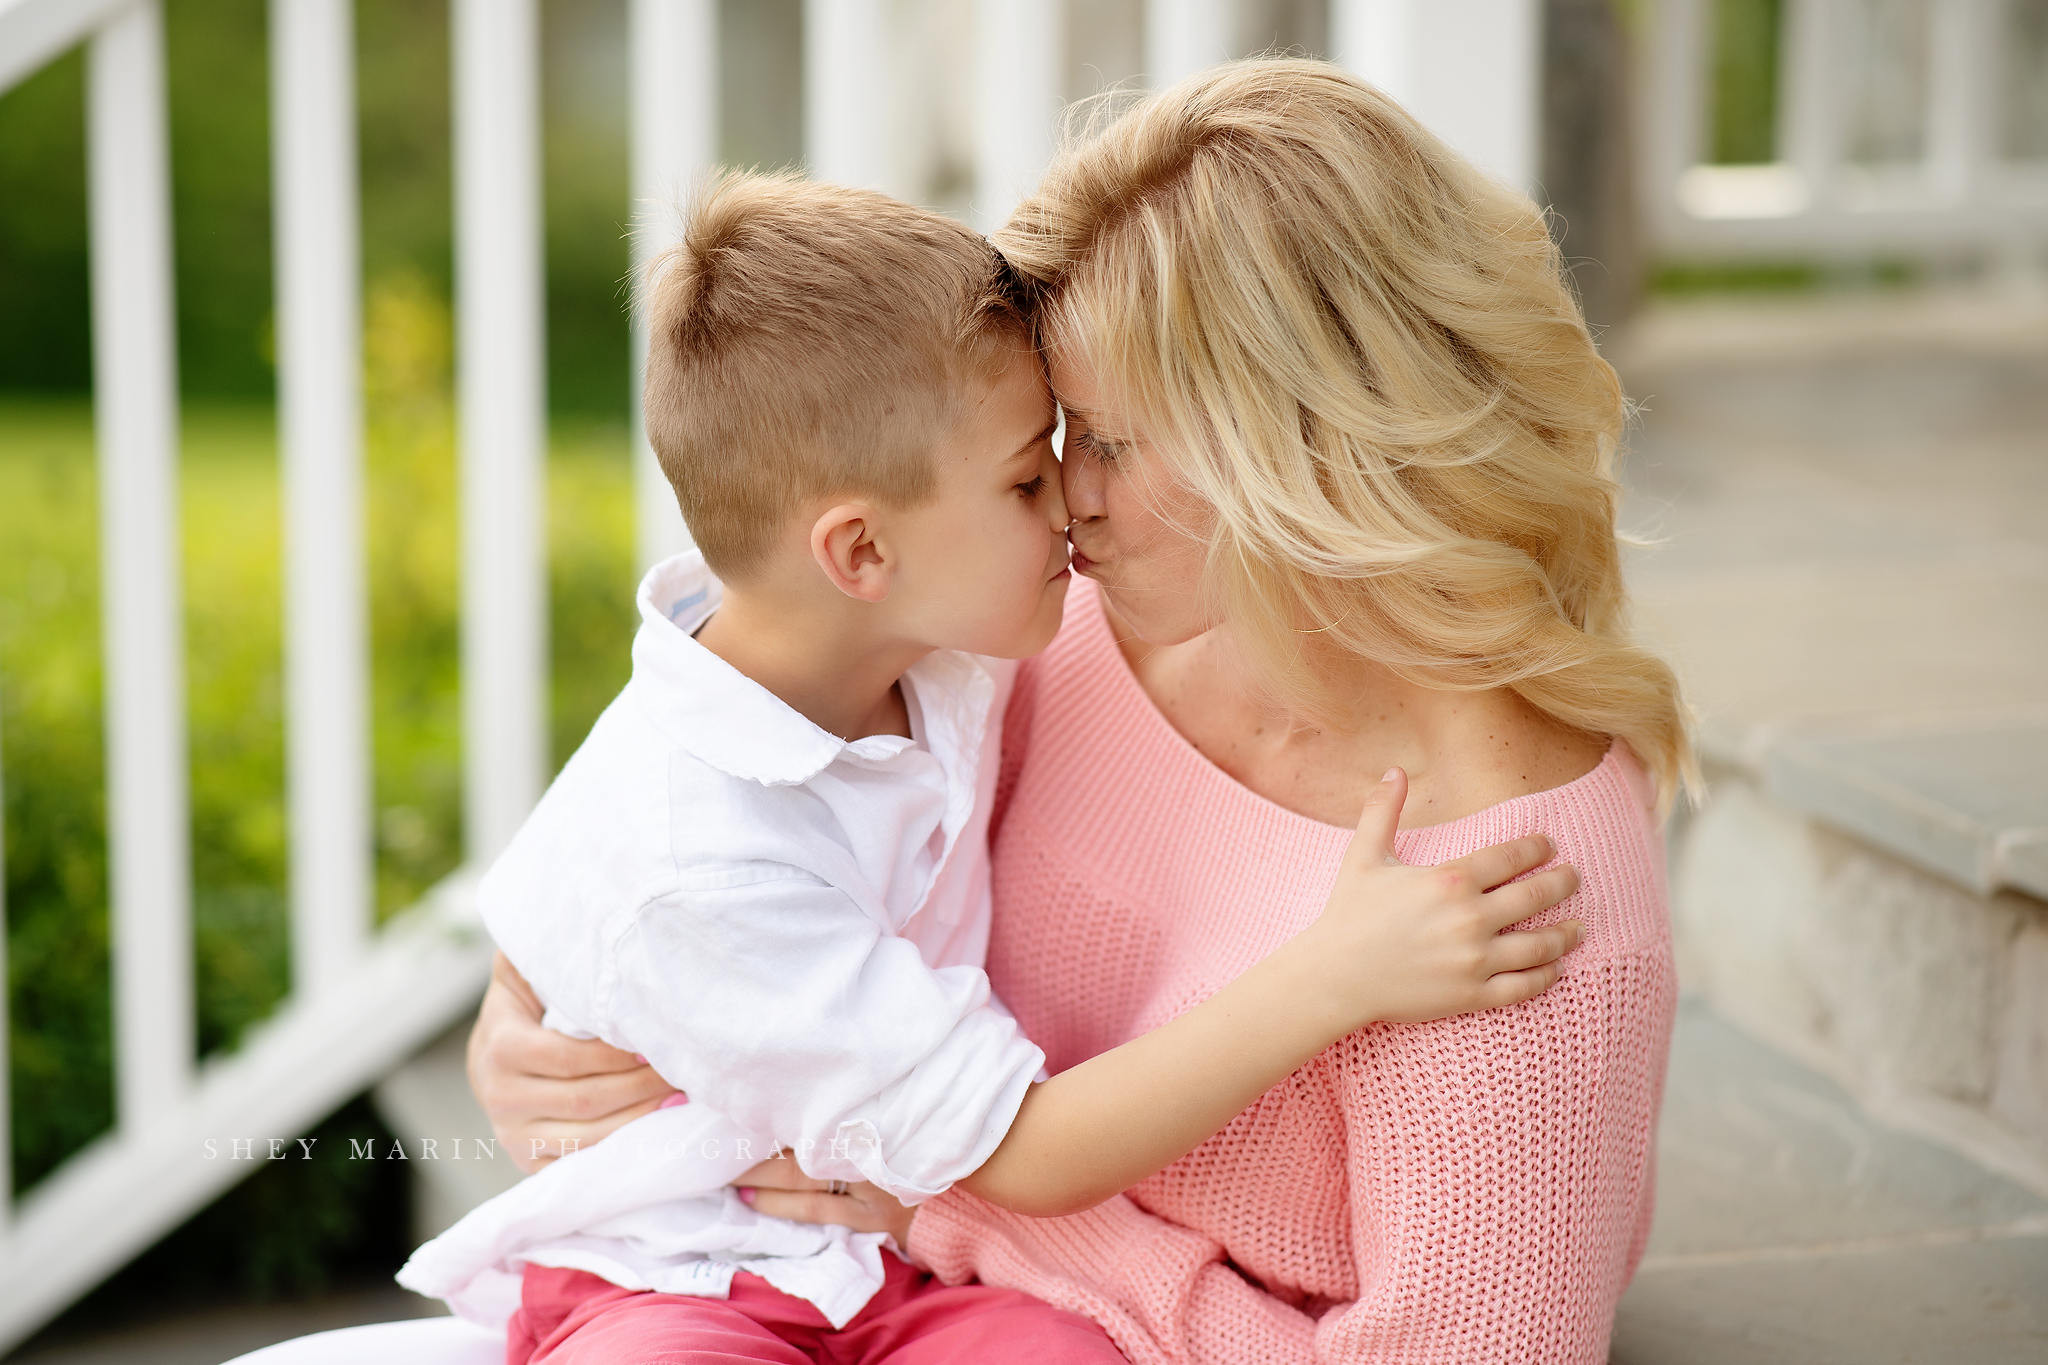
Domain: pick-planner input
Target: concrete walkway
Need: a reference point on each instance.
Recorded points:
(1850, 503)
(1791, 1230)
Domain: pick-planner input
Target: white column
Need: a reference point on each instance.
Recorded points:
(1469, 69)
(848, 74)
(503, 412)
(1020, 50)
(1810, 116)
(674, 51)
(320, 428)
(135, 399)
(1183, 36)
(1962, 111)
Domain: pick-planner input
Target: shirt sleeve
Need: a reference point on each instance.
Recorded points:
(783, 1006)
(1162, 1291)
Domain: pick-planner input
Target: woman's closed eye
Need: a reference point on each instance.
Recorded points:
(1091, 444)
(1032, 487)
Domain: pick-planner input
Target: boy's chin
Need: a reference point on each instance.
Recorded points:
(1038, 634)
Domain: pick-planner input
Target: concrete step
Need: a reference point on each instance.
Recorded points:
(1793, 1230)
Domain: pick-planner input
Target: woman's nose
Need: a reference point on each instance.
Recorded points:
(1081, 481)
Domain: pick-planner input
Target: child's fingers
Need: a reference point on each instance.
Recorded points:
(1533, 947)
(1517, 901)
(1505, 862)
(1374, 842)
(1512, 988)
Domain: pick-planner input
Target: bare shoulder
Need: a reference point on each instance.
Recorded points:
(1501, 747)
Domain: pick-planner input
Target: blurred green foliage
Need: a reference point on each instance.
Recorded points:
(50, 747)
(220, 190)
(49, 690)
(1744, 118)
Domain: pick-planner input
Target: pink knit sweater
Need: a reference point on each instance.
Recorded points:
(1476, 1189)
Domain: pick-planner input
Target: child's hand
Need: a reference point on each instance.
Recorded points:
(1405, 944)
(779, 1188)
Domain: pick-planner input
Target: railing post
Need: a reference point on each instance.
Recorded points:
(320, 427)
(674, 52)
(1467, 68)
(1021, 46)
(1961, 109)
(1183, 36)
(849, 71)
(1673, 100)
(1810, 96)
(501, 383)
(135, 398)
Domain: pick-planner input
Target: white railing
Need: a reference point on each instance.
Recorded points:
(1891, 137)
(363, 999)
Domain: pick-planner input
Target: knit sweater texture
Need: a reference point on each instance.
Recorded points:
(1476, 1189)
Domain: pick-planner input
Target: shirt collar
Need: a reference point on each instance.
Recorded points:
(731, 722)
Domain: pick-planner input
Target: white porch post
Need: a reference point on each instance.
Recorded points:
(1021, 50)
(674, 51)
(849, 68)
(320, 427)
(1183, 36)
(1469, 69)
(135, 396)
(501, 384)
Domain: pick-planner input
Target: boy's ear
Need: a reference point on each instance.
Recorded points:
(843, 543)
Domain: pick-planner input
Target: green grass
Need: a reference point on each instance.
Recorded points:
(50, 703)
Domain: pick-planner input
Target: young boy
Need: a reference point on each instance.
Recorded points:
(766, 868)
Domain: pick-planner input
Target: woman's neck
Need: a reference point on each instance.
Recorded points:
(1463, 751)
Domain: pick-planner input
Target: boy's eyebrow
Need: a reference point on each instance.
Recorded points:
(1046, 435)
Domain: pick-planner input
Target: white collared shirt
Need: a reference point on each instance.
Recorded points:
(790, 926)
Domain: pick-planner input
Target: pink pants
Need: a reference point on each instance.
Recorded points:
(567, 1317)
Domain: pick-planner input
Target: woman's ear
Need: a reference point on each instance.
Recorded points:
(843, 543)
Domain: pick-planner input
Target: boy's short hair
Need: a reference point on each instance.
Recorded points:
(807, 340)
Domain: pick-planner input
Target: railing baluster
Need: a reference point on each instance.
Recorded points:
(501, 388)
(848, 74)
(149, 852)
(1466, 68)
(1961, 107)
(1183, 36)
(319, 383)
(674, 51)
(1810, 89)
(1022, 78)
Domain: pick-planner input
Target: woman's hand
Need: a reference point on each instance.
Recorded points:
(779, 1187)
(1406, 944)
(540, 1087)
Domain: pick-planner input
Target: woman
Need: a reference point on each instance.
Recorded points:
(1339, 452)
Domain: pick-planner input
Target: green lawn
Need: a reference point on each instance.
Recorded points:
(50, 742)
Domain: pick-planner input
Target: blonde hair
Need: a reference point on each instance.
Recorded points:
(1358, 350)
(809, 340)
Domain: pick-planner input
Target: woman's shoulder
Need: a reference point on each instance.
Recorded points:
(1605, 824)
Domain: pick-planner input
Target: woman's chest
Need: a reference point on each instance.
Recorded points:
(1110, 922)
